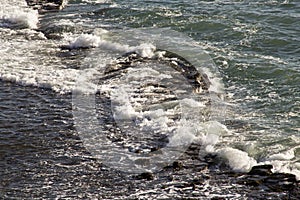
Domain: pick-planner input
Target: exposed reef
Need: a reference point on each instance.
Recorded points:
(47, 5)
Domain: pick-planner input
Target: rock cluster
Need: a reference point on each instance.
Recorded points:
(262, 176)
(199, 82)
(46, 5)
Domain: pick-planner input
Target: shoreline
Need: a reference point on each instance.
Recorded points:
(53, 162)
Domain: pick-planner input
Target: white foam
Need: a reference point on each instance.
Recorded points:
(216, 85)
(155, 120)
(184, 135)
(238, 160)
(123, 110)
(91, 40)
(145, 50)
(241, 161)
(22, 62)
(17, 14)
(209, 134)
(85, 41)
(288, 155)
(192, 103)
(284, 162)
(85, 85)
(145, 73)
(284, 166)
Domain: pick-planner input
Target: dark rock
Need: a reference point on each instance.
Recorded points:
(199, 82)
(262, 176)
(197, 181)
(177, 165)
(261, 170)
(210, 158)
(153, 149)
(47, 5)
(193, 151)
(146, 175)
(281, 181)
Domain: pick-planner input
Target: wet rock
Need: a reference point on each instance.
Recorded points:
(262, 176)
(146, 175)
(153, 149)
(193, 151)
(199, 82)
(47, 5)
(281, 182)
(142, 162)
(210, 158)
(177, 165)
(261, 170)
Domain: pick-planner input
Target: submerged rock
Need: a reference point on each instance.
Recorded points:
(199, 81)
(152, 97)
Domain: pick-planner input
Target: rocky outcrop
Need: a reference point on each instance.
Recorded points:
(47, 5)
(199, 81)
(262, 176)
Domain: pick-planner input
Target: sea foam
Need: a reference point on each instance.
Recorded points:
(85, 41)
(91, 40)
(238, 160)
(22, 19)
(18, 14)
(241, 161)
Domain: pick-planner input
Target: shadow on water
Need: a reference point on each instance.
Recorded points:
(41, 155)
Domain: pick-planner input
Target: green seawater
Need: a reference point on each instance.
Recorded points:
(256, 47)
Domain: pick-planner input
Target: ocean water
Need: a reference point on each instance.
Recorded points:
(56, 95)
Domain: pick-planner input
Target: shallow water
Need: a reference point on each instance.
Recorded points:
(43, 157)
